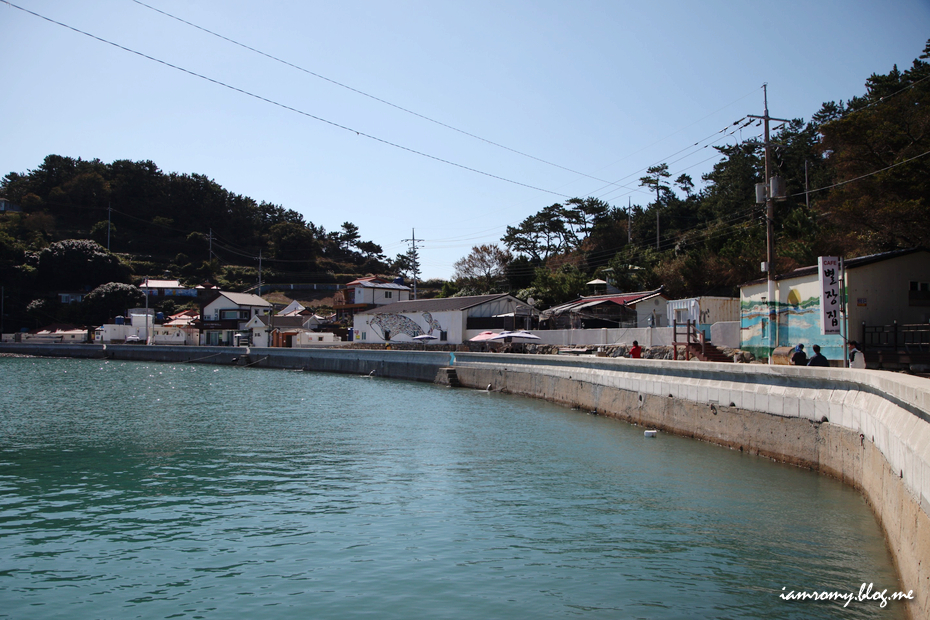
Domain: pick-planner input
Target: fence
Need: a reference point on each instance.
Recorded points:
(910, 338)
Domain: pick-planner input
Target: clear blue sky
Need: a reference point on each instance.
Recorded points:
(601, 89)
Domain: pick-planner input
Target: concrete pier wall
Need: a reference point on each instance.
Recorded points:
(870, 429)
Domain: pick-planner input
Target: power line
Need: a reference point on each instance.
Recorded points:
(900, 163)
(363, 93)
(285, 106)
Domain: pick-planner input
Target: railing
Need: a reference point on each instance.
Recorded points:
(692, 335)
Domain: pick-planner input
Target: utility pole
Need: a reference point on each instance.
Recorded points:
(109, 217)
(629, 221)
(414, 257)
(259, 272)
(211, 245)
(769, 225)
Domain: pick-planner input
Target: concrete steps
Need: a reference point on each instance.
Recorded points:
(710, 354)
(449, 377)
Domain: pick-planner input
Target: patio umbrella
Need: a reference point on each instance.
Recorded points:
(483, 337)
(509, 336)
(423, 337)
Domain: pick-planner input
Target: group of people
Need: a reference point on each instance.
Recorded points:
(799, 357)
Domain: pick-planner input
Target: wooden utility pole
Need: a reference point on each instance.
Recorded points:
(769, 226)
(414, 256)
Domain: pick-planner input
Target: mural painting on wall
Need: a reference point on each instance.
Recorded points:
(798, 322)
(395, 324)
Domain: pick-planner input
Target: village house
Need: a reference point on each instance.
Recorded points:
(224, 315)
(164, 289)
(367, 293)
(55, 333)
(449, 320)
(642, 309)
(888, 301)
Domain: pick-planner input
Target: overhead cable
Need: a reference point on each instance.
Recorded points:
(285, 106)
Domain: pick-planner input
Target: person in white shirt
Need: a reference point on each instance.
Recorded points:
(856, 357)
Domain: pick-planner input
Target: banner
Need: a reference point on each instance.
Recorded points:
(829, 270)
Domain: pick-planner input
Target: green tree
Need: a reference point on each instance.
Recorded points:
(558, 286)
(109, 300)
(484, 268)
(877, 149)
(76, 263)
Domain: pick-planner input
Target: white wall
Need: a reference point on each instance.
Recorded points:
(725, 334)
(647, 337)
(452, 322)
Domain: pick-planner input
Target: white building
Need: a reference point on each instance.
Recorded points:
(704, 311)
(224, 314)
(161, 289)
(885, 293)
(452, 320)
(367, 293)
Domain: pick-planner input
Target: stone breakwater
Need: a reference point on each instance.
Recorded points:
(870, 429)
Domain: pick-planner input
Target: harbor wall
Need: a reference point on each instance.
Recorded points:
(870, 429)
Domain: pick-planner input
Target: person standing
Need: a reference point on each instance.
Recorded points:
(636, 352)
(818, 359)
(856, 357)
(799, 357)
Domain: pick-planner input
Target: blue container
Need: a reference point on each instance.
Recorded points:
(119, 320)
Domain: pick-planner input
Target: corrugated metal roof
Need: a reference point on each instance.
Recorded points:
(587, 302)
(852, 263)
(388, 285)
(437, 305)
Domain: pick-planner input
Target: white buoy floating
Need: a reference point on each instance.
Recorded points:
(650, 433)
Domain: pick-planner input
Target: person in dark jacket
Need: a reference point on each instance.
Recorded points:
(818, 359)
(799, 357)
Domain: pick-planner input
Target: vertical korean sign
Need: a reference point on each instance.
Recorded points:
(829, 270)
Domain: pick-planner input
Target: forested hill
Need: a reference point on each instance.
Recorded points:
(161, 215)
(858, 182)
(857, 175)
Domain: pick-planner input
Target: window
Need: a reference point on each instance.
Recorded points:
(235, 314)
(443, 336)
(388, 294)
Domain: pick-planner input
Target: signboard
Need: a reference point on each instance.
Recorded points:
(829, 269)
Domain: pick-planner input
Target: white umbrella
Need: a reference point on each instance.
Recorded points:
(425, 337)
(509, 336)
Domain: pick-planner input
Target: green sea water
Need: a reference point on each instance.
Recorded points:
(140, 490)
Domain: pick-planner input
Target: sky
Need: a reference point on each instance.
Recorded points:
(444, 120)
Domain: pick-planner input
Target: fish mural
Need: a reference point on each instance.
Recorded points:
(395, 324)
(431, 323)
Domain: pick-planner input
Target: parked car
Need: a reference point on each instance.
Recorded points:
(134, 340)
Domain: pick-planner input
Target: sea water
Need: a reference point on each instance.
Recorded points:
(142, 490)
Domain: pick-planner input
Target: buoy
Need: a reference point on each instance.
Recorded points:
(652, 433)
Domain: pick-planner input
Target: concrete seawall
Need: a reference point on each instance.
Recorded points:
(870, 429)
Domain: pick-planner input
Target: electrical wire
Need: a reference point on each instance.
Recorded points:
(363, 93)
(285, 106)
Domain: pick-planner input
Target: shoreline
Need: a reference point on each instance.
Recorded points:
(869, 429)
